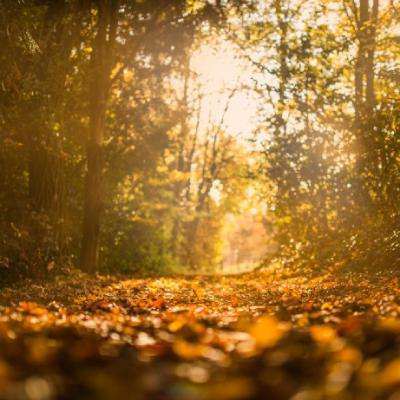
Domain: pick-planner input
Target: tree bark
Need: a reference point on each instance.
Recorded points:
(370, 64)
(283, 66)
(360, 65)
(364, 95)
(44, 172)
(99, 90)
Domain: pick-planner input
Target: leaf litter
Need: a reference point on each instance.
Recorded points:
(253, 336)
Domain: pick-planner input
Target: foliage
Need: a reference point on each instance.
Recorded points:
(45, 117)
(329, 126)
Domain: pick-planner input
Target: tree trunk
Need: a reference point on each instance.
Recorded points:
(283, 66)
(364, 93)
(44, 173)
(99, 85)
(360, 65)
(182, 157)
(370, 64)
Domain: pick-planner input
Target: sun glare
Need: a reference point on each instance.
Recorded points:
(225, 79)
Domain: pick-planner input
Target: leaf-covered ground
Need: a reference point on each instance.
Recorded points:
(263, 335)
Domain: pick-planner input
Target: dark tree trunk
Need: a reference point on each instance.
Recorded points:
(44, 180)
(182, 157)
(360, 65)
(43, 168)
(283, 66)
(364, 96)
(99, 89)
(370, 64)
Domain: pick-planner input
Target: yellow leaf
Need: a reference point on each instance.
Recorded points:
(391, 373)
(128, 75)
(390, 324)
(188, 350)
(350, 355)
(176, 325)
(32, 308)
(323, 334)
(326, 306)
(267, 331)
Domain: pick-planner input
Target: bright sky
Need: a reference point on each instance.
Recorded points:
(219, 72)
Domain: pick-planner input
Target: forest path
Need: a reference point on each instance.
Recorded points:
(262, 335)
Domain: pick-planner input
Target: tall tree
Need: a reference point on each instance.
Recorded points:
(100, 82)
(366, 17)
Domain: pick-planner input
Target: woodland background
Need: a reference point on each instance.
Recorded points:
(103, 163)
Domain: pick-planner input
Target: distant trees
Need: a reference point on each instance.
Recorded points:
(207, 167)
(147, 40)
(36, 87)
(108, 159)
(84, 112)
(324, 68)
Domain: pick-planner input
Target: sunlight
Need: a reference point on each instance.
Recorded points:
(225, 81)
(200, 200)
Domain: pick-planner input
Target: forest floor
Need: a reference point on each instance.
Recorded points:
(262, 335)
